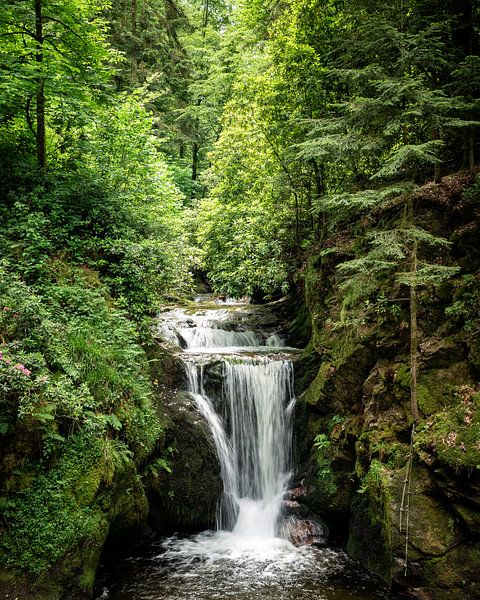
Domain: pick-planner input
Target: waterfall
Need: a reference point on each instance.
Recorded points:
(213, 330)
(250, 420)
(245, 394)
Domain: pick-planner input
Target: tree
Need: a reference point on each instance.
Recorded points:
(54, 56)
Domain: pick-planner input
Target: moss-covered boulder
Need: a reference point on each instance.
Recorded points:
(185, 496)
(59, 523)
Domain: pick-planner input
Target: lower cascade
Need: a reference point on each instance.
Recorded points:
(253, 440)
(241, 378)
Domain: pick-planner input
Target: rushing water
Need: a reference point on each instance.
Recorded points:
(251, 424)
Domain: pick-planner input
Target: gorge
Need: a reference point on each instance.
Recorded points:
(249, 409)
(159, 158)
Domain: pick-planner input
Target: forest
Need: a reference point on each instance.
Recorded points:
(316, 155)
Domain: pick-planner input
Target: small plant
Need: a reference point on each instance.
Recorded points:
(324, 455)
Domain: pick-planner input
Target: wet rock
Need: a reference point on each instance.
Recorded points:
(186, 498)
(301, 525)
(305, 532)
(297, 492)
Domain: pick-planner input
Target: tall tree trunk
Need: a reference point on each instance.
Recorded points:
(471, 151)
(437, 170)
(413, 321)
(320, 189)
(40, 93)
(206, 15)
(134, 64)
(297, 222)
(195, 161)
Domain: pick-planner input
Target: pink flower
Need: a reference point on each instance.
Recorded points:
(23, 369)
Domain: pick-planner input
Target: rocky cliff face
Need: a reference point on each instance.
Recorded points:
(354, 420)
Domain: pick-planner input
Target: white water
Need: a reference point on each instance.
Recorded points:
(204, 337)
(250, 421)
(213, 330)
(253, 441)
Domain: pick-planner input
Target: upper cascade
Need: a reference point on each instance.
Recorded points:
(213, 328)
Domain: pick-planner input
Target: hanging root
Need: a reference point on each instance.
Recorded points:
(404, 517)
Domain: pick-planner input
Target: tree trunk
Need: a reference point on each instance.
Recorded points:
(297, 222)
(471, 151)
(40, 93)
(134, 65)
(437, 171)
(320, 233)
(413, 321)
(195, 161)
(206, 15)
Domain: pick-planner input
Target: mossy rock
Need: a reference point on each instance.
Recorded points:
(434, 528)
(450, 437)
(441, 352)
(72, 577)
(126, 503)
(331, 485)
(316, 394)
(470, 517)
(455, 575)
(59, 526)
(368, 540)
(306, 369)
(166, 369)
(186, 499)
(437, 389)
(337, 389)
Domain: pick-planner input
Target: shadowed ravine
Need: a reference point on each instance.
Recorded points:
(249, 555)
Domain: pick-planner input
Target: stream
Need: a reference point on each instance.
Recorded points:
(249, 554)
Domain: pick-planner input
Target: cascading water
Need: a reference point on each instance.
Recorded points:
(253, 440)
(250, 420)
(252, 434)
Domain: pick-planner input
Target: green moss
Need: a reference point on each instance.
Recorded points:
(382, 444)
(325, 474)
(315, 393)
(456, 571)
(402, 375)
(438, 389)
(370, 539)
(453, 434)
(86, 581)
(52, 516)
(471, 518)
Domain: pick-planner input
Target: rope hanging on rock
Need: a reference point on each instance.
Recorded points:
(404, 518)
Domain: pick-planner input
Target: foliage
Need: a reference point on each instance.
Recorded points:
(240, 141)
(324, 455)
(74, 385)
(374, 485)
